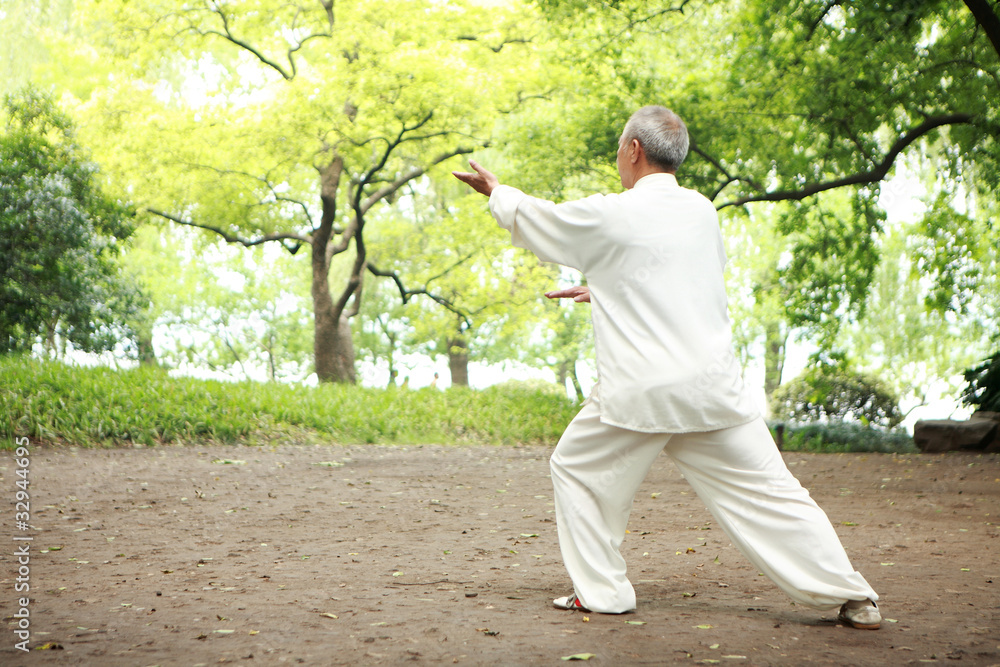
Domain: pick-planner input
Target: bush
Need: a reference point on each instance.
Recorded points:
(835, 392)
(844, 437)
(983, 390)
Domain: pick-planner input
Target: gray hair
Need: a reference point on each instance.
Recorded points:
(662, 135)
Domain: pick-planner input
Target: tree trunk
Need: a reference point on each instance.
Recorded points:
(775, 338)
(144, 345)
(458, 362)
(576, 383)
(333, 349)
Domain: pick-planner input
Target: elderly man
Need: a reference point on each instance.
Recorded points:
(668, 380)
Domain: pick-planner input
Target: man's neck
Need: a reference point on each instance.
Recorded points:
(645, 169)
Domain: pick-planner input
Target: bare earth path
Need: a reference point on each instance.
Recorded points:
(439, 555)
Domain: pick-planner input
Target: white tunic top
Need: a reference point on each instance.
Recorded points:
(653, 259)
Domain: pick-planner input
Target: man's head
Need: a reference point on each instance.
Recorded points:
(655, 139)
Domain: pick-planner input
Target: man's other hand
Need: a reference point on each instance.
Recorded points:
(580, 294)
(481, 181)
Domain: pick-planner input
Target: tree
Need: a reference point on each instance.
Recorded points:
(327, 115)
(60, 237)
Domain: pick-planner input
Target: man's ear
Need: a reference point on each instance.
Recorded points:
(636, 151)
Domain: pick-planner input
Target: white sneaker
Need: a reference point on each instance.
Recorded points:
(861, 614)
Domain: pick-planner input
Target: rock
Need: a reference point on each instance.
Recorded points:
(981, 432)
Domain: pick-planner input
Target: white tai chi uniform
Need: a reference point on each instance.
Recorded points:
(667, 378)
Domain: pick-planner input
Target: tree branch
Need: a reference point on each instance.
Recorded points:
(340, 246)
(416, 172)
(406, 294)
(725, 172)
(495, 49)
(874, 175)
(230, 37)
(987, 20)
(265, 181)
(232, 238)
(822, 15)
(328, 6)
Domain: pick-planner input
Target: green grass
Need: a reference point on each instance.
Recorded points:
(845, 437)
(57, 403)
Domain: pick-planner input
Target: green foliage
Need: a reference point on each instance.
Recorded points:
(294, 123)
(983, 390)
(836, 437)
(951, 252)
(60, 237)
(57, 403)
(835, 392)
(468, 284)
(238, 311)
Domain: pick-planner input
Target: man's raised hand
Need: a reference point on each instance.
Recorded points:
(580, 294)
(481, 181)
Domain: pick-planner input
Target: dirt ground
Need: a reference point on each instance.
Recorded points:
(372, 555)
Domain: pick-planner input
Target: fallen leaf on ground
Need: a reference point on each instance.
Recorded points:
(329, 615)
(579, 656)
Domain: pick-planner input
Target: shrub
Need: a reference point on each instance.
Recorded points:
(844, 437)
(835, 392)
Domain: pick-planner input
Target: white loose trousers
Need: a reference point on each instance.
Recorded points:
(740, 476)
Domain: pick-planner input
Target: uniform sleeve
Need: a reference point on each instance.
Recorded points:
(562, 233)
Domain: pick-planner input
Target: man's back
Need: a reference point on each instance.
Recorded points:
(653, 260)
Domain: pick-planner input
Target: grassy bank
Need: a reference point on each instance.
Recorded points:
(57, 403)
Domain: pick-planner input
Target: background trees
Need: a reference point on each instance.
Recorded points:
(323, 130)
(306, 120)
(60, 238)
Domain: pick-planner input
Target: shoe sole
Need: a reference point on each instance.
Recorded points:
(859, 626)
